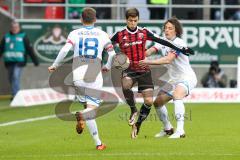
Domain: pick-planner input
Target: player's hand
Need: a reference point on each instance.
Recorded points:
(105, 69)
(51, 69)
(143, 63)
(188, 51)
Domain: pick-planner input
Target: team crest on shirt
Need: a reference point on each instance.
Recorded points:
(140, 35)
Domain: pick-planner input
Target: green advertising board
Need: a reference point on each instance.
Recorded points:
(211, 41)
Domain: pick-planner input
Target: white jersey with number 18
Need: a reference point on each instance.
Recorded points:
(88, 44)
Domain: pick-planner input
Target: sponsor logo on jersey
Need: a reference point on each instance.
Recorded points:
(127, 44)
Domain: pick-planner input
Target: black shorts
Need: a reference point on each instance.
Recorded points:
(144, 79)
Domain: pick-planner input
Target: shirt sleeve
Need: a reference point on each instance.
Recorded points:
(114, 38)
(179, 42)
(157, 47)
(108, 47)
(71, 38)
(62, 54)
(154, 37)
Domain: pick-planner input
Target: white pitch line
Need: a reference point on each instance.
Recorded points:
(122, 154)
(27, 120)
(34, 119)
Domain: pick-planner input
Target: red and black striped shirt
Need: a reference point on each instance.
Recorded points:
(133, 43)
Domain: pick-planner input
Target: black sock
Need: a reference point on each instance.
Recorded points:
(129, 96)
(144, 112)
(133, 109)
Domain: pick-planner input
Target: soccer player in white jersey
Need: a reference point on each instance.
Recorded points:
(88, 43)
(182, 79)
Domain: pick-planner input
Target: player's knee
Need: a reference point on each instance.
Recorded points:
(178, 96)
(179, 93)
(148, 101)
(126, 86)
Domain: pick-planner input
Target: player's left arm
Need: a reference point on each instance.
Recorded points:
(153, 37)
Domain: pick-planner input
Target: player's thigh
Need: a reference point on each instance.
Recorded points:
(148, 96)
(88, 93)
(127, 82)
(180, 91)
(161, 99)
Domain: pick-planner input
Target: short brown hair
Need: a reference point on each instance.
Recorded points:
(88, 15)
(132, 12)
(177, 24)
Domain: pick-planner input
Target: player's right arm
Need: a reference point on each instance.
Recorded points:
(153, 37)
(62, 53)
(169, 58)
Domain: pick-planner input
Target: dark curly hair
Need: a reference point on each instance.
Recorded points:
(177, 24)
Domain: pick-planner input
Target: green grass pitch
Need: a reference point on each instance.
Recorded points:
(212, 132)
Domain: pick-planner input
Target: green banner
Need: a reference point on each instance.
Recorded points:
(211, 41)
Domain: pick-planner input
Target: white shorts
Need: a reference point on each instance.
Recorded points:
(88, 92)
(170, 86)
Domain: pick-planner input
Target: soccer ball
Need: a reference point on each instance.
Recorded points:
(121, 61)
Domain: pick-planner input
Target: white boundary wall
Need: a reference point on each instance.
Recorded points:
(34, 97)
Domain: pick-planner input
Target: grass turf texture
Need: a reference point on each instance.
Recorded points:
(212, 133)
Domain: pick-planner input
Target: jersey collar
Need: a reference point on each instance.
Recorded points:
(131, 31)
(173, 38)
(88, 27)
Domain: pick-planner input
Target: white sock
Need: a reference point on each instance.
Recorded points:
(92, 126)
(163, 116)
(179, 115)
(89, 113)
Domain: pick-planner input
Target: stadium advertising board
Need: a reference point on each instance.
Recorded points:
(32, 97)
(211, 41)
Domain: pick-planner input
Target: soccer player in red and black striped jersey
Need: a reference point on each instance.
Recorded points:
(132, 41)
